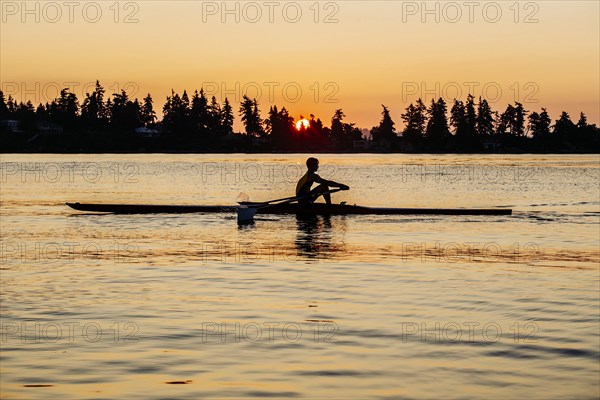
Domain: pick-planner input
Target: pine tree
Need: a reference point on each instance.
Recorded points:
(11, 105)
(281, 128)
(117, 111)
(26, 114)
(65, 110)
(199, 112)
(180, 113)
(458, 118)
(539, 124)
(168, 116)
(343, 133)
(316, 125)
(271, 120)
(147, 114)
(125, 114)
(437, 126)
(93, 110)
(214, 117)
(518, 122)
(4, 114)
(415, 119)
(564, 126)
(485, 119)
(582, 123)
(40, 113)
(385, 132)
(251, 117)
(337, 129)
(505, 120)
(470, 117)
(258, 120)
(227, 117)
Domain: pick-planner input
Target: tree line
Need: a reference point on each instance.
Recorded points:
(472, 126)
(199, 124)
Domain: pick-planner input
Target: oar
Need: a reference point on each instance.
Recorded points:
(246, 212)
(244, 197)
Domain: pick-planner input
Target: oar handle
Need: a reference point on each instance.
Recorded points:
(277, 200)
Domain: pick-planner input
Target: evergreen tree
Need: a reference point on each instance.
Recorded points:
(564, 126)
(227, 118)
(93, 110)
(4, 114)
(246, 114)
(485, 118)
(458, 118)
(133, 111)
(343, 134)
(351, 133)
(168, 122)
(437, 126)
(271, 120)
(251, 117)
(180, 113)
(582, 123)
(176, 114)
(26, 115)
(64, 110)
(315, 133)
(518, 123)
(385, 132)
(415, 119)
(337, 129)
(214, 117)
(256, 117)
(586, 136)
(505, 121)
(539, 124)
(117, 110)
(199, 112)
(316, 125)
(124, 113)
(185, 103)
(109, 105)
(147, 114)
(40, 113)
(470, 117)
(11, 105)
(280, 126)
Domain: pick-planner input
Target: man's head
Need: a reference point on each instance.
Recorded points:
(312, 164)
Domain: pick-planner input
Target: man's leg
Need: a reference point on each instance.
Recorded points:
(321, 191)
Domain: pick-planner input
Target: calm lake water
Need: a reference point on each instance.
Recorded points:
(347, 307)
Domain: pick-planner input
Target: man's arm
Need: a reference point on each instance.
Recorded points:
(322, 181)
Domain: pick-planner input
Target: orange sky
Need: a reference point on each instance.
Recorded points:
(310, 57)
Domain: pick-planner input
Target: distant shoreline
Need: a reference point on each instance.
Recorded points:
(201, 125)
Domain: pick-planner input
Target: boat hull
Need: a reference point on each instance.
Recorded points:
(310, 209)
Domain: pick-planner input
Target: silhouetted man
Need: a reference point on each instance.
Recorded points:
(303, 188)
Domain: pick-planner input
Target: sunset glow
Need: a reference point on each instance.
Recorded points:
(302, 122)
(111, 52)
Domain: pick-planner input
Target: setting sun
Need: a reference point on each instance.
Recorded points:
(302, 122)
